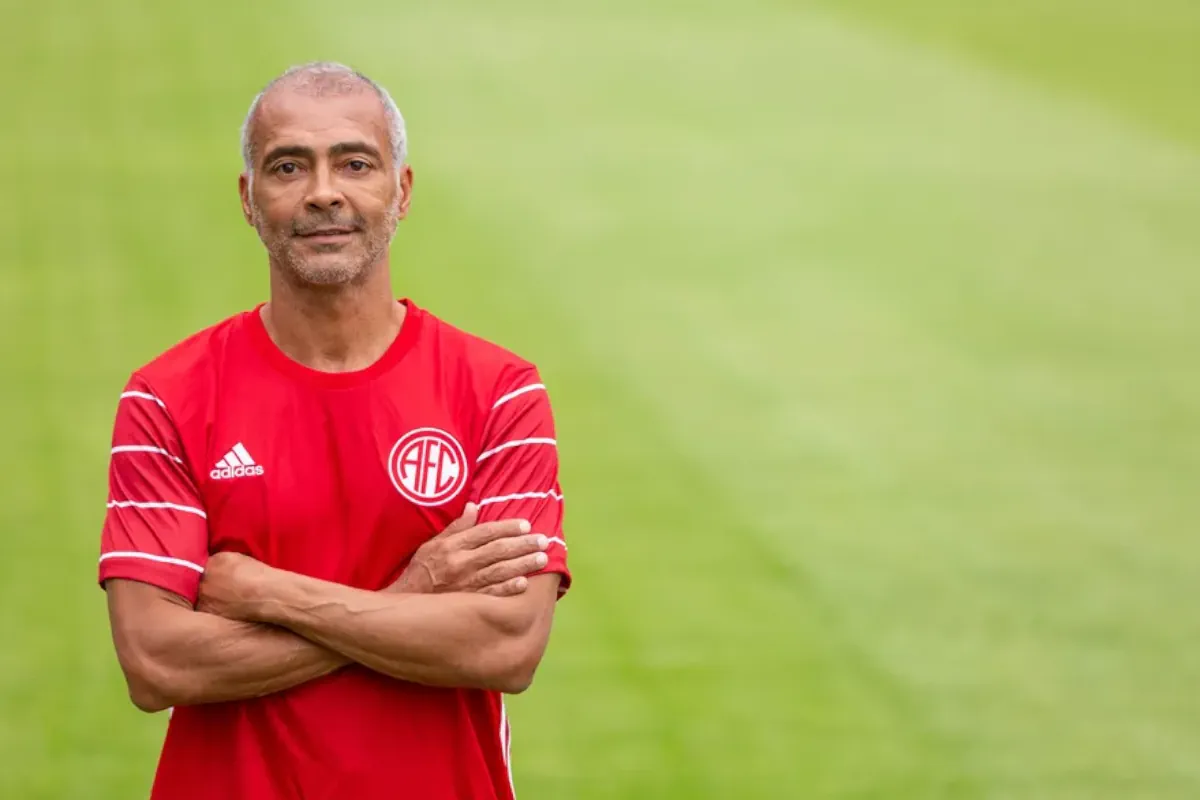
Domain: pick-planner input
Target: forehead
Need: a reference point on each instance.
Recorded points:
(301, 119)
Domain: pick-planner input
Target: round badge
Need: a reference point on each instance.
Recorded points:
(428, 466)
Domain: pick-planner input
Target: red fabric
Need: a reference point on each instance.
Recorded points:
(341, 477)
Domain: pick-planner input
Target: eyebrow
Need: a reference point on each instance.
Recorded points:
(345, 148)
(339, 149)
(287, 150)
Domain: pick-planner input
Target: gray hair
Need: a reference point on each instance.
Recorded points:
(318, 75)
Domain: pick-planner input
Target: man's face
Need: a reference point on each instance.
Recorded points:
(325, 196)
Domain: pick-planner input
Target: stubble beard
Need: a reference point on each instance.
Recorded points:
(350, 265)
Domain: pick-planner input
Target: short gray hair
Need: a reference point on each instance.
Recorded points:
(319, 75)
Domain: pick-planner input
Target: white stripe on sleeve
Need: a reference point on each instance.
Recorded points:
(533, 387)
(172, 506)
(521, 496)
(142, 396)
(517, 443)
(142, 448)
(178, 562)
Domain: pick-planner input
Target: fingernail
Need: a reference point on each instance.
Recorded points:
(525, 527)
(471, 508)
(542, 542)
(520, 584)
(541, 559)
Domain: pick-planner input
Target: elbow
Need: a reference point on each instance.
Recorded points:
(151, 688)
(146, 699)
(522, 635)
(514, 680)
(517, 680)
(515, 664)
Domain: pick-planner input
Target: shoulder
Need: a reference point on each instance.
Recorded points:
(492, 368)
(179, 374)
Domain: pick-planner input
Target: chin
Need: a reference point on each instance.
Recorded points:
(329, 274)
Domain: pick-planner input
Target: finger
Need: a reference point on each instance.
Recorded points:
(490, 531)
(506, 589)
(513, 568)
(465, 521)
(507, 548)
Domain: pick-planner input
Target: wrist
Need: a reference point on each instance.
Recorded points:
(411, 581)
(267, 598)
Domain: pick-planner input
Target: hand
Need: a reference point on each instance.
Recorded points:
(492, 558)
(230, 585)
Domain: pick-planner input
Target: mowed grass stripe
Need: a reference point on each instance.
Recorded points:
(127, 240)
(939, 293)
(601, 233)
(691, 661)
(1140, 63)
(917, 456)
(957, 447)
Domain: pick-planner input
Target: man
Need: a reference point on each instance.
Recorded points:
(334, 530)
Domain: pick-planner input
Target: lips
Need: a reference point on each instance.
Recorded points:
(328, 232)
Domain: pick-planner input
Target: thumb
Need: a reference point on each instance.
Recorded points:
(466, 520)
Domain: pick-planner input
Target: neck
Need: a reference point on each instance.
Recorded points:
(333, 329)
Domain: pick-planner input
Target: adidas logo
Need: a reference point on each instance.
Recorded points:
(237, 463)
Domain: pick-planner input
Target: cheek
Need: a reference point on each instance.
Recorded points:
(273, 217)
(274, 208)
(382, 197)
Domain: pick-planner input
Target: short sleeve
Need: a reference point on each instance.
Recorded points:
(517, 472)
(155, 529)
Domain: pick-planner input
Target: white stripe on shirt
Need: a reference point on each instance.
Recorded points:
(506, 745)
(533, 387)
(521, 496)
(173, 506)
(178, 562)
(142, 396)
(142, 448)
(517, 443)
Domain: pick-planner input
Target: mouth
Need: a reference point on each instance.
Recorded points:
(323, 235)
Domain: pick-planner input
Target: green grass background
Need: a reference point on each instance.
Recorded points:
(871, 328)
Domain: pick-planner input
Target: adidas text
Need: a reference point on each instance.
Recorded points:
(235, 472)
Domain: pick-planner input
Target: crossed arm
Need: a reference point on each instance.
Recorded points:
(173, 655)
(469, 617)
(259, 630)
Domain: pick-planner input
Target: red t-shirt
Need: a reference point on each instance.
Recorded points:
(225, 443)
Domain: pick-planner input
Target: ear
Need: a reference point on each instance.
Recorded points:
(244, 191)
(406, 184)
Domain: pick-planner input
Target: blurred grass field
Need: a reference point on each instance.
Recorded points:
(872, 333)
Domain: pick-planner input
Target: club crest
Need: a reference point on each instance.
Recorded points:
(428, 466)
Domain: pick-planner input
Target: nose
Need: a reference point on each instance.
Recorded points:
(323, 193)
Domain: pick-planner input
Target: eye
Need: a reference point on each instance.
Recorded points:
(358, 165)
(286, 168)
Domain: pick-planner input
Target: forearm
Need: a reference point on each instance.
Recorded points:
(455, 639)
(191, 657)
(221, 660)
